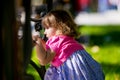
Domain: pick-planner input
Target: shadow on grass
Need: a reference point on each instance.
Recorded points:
(101, 39)
(108, 38)
(111, 68)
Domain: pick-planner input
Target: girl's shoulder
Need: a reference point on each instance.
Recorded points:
(59, 38)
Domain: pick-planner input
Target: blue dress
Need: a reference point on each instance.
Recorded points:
(79, 66)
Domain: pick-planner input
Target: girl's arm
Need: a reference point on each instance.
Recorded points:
(44, 56)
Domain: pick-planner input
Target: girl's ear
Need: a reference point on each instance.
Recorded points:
(58, 32)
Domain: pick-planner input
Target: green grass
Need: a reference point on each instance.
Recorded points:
(104, 46)
(108, 57)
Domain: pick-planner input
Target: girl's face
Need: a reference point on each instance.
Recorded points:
(50, 31)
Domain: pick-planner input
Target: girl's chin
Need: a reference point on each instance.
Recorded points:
(49, 37)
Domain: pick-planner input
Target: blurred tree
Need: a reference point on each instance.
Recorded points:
(15, 57)
(11, 53)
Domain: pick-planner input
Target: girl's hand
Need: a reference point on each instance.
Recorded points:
(35, 39)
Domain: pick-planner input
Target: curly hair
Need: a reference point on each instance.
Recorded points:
(61, 20)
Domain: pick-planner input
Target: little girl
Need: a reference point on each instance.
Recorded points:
(67, 58)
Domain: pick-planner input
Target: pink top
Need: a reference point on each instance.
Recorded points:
(63, 46)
